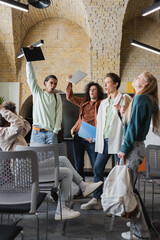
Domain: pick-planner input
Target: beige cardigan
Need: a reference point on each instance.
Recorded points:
(14, 134)
(116, 133)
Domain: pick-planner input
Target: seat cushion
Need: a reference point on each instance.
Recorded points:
(21, 208)
(8, 232)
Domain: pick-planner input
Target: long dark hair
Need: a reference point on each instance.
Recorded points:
(99, 88)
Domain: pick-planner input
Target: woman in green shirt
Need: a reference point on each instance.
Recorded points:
(137, 119)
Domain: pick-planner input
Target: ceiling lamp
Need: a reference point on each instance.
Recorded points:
(23, 7)
(154, 7)
(14, 4)
(144, 46)
(37, 44)
(39, 3)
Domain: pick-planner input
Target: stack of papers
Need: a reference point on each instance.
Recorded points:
(87, 131)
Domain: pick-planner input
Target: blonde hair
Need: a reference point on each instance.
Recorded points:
(151, 90)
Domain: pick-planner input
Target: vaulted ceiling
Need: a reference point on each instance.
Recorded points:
(76, 11)
(135, 7)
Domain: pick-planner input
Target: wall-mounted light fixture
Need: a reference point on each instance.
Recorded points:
(23, 7)
(37, 44)
(14, 4)
(153, 8)
(144, 46)
(39, 3)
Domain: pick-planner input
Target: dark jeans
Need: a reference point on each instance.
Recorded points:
(99, 168)
(79, 147)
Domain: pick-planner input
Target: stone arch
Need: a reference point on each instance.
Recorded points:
(135, 60)
(134, 9)
(66, 50)
(68, 9)
(144, 29)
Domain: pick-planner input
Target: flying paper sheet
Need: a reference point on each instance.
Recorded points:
(77, 76)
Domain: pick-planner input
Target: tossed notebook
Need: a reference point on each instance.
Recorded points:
(87, 131)
(35, 54)
(77, 77)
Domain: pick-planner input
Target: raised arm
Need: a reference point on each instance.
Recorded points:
(26, 127)
(16, 125)
(70, 96)
(31, 79)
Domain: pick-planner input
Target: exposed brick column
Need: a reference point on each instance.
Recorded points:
(106, 19)
(7, 52)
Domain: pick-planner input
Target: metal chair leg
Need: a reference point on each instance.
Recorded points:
(153, 200)
(144, 196)
(64, 227)
(138, 178)
(47, 220)
(22, 235)
(36, 214)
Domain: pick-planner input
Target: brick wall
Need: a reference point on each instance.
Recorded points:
(7, 53)
(91, 35)
(135, 60)
(66, 50)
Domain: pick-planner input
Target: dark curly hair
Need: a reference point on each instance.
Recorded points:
(99, 88)
(8, 106)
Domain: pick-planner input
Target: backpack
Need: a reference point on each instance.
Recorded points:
(118, 198)
(60, 135)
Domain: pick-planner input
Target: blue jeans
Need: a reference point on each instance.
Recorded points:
(79, 147)
(99, 168)
(43, 137)
(116, 159)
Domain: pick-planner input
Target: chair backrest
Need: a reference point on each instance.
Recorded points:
(48, 161)
(152, 160)
(62, 148)
(19, 178)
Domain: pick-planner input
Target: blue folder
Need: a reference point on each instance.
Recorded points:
(87, 131)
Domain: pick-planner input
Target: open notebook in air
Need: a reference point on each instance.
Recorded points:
(35, 54)
(77, 76)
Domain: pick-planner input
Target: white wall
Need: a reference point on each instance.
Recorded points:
(10, 91)
(151, 138)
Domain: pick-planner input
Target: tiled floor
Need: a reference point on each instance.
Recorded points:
(90, 225)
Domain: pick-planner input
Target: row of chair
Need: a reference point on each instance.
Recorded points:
(24, 176)
(151, 174)
(25, 173)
